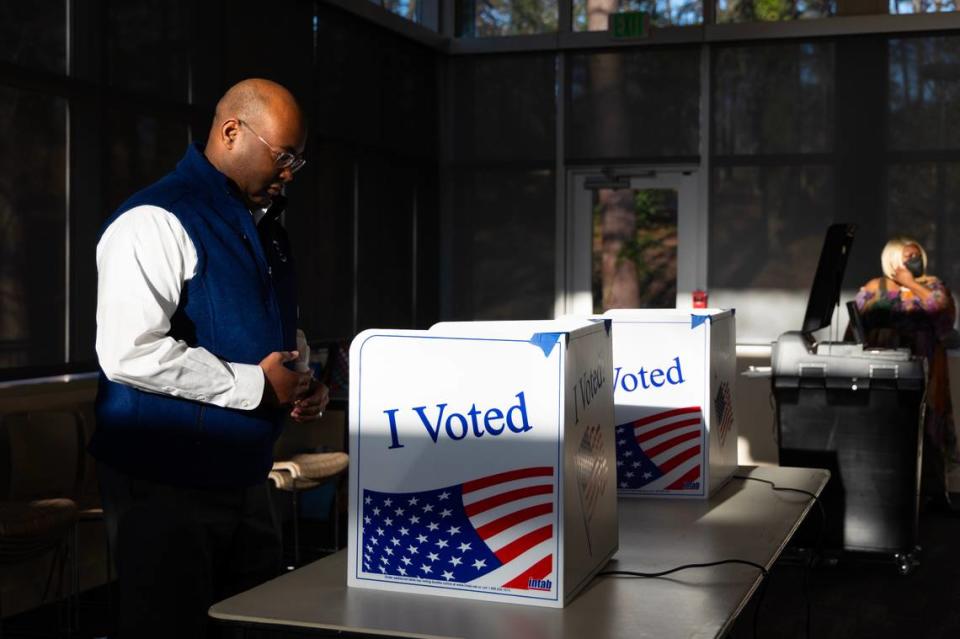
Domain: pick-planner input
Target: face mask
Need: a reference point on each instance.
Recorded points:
(914, 265)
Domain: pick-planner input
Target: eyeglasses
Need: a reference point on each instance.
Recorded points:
(283, 159)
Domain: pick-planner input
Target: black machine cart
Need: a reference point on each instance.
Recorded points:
(856, 412)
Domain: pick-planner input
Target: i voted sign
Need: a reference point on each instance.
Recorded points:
(629, 382)
(470, 422)
(673, 393)
(478, 452)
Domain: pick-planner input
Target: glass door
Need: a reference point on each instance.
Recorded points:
(635, 238)
(634, 248)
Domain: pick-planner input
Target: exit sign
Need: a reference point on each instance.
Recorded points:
(631, 24)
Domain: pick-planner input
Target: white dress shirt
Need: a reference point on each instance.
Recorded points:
(143, 260)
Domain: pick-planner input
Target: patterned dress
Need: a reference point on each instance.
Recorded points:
(894, 317)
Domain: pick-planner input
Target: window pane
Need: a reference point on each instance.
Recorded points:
(924, 111)
(147, 46)
(34, 34)
(32, 221)
(349, 101)
(767, 225)
(766, 229)
(593, 15)
(484, 18)
(773, 10)
(773, 99)
(423, 12)
(140, 150)
(373, 87)
(409, 9)
(924, 203)
(387, 197)
(922, 6)
(408, 122)
(319, 221)
(634, 248)
(500, 255)
(611, 113)
(504, 108)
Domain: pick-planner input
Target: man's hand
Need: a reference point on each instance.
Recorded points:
(312, 404)
(283, 385)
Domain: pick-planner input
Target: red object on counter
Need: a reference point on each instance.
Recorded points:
(699, 299)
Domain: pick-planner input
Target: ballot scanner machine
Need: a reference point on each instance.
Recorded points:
(855, 411)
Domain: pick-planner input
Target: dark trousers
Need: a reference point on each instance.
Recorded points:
(179, 550)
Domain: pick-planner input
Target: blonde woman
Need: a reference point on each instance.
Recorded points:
(908, 308)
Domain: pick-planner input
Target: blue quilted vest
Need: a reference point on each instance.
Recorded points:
(240, 305)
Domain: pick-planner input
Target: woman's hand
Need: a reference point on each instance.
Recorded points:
(904, 277)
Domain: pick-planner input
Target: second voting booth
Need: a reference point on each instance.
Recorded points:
(673, 376)
(483, 460)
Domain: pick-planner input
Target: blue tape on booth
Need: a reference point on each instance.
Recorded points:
(546, 341)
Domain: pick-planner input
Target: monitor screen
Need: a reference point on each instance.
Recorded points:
(825, 292)
(856, 323)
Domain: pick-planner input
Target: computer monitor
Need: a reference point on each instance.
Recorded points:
(825, 292)
(856, 323)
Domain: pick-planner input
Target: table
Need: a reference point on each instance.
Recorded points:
(744, 520)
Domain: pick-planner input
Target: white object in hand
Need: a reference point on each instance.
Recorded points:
(303, 361)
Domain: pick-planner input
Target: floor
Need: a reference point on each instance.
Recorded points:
(849, 599)
(97, 606)
(865, 597)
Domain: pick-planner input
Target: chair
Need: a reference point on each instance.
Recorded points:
(307, 471)
(41, 452)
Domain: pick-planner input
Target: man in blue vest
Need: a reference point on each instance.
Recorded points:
(197, 344)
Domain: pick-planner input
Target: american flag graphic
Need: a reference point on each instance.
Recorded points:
(497, 530)
(724, 407)
(591, 475)
(661, 451)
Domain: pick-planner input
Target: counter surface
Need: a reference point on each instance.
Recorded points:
(744, 520)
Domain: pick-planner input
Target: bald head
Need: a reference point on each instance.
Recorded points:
(255, 121)
(251, 99)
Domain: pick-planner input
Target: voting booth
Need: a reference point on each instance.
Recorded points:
(482, 460)
(673, 376)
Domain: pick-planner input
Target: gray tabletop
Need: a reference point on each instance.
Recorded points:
(744, 520)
